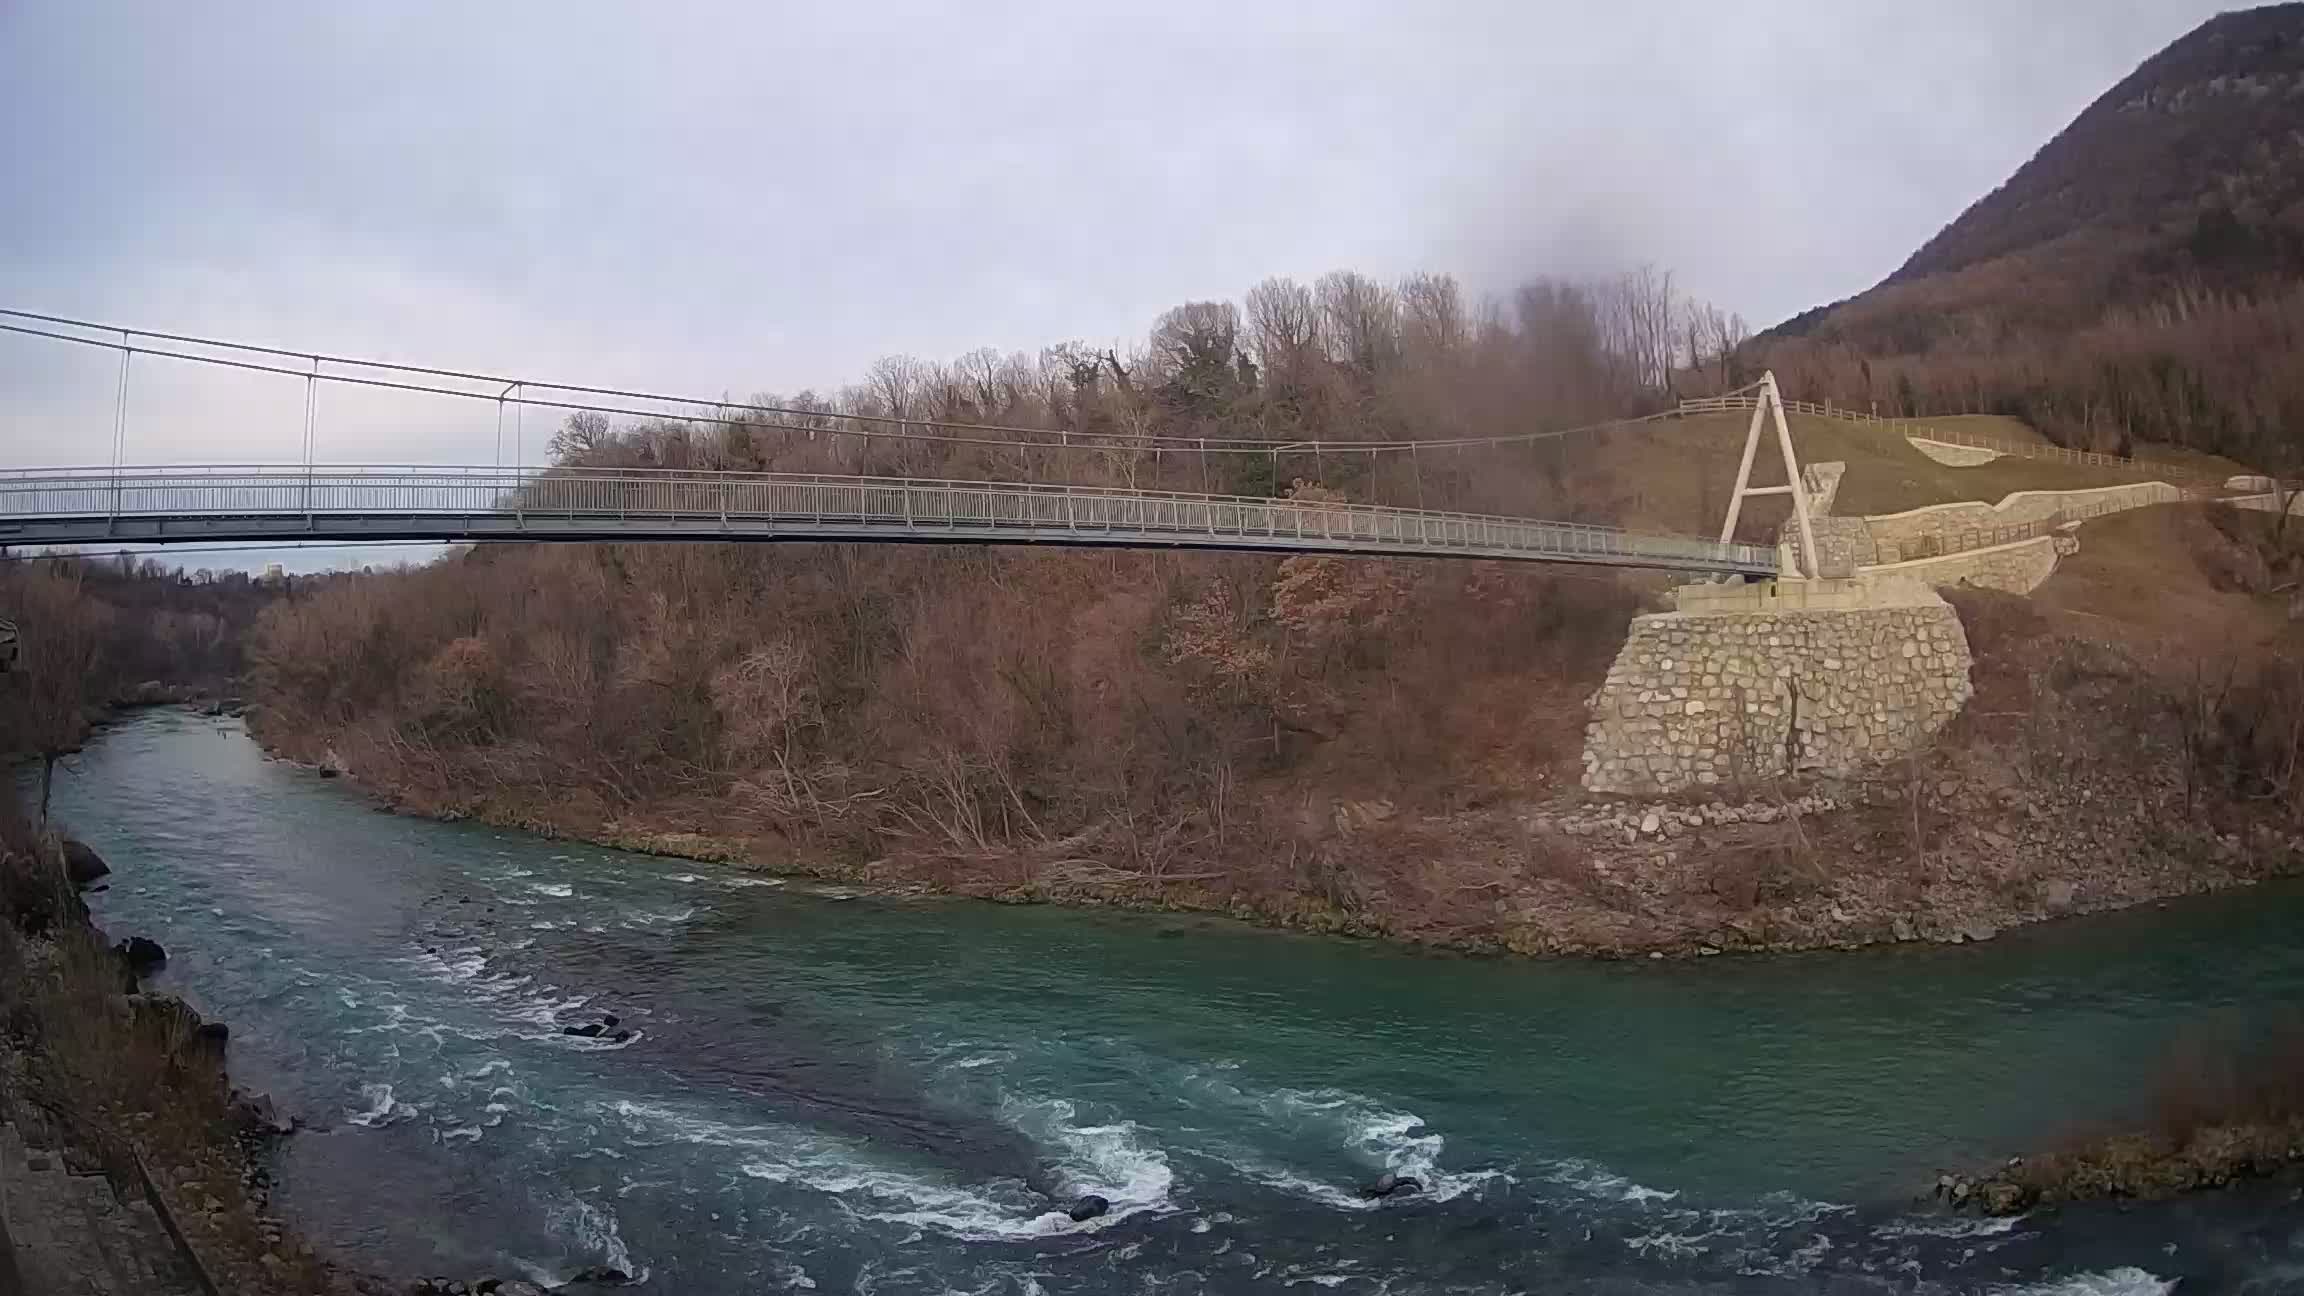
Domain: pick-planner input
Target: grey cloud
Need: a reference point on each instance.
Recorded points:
(724, 198)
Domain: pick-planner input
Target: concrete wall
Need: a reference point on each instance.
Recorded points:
(1954, 456)
(1699, 698)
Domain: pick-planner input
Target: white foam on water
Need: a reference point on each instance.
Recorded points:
(1950, 1226)
(593, 1229)
(682, 877)
(1113, 1161)
(752, 882)
(382, 1108)
(2128, 1280)
(557, 890)
(646, 918)
(461, 1134)
(1108, 1160)
(1385, 1140)
(543, 1010)
(1606, 1185)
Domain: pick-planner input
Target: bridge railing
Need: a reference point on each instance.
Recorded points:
(539, 498)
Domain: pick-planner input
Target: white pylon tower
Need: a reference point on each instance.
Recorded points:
(1769, 402)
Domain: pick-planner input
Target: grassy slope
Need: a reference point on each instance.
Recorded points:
(2169, 577)
(1684, 469)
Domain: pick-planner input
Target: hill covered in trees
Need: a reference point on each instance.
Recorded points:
(2141, 278)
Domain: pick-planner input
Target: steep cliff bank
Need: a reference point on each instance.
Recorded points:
(105, 1078)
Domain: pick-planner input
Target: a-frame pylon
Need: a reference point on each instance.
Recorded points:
(1771, 402)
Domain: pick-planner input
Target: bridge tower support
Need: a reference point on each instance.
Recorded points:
(1769, 404)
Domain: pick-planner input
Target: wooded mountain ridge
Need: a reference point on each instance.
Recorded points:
(2136, 280)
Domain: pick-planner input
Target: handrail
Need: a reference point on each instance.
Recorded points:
(98, 505)
(175, 1231)
(485, 475)
(118, 1148)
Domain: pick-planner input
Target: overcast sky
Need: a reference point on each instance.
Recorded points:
(743, 197)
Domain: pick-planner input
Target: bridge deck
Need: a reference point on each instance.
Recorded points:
(160, 505)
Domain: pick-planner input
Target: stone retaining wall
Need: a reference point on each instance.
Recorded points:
(1947, 527)
(1695, 700)
(2018, 568)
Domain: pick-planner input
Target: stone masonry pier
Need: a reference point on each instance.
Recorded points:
(1760, 681)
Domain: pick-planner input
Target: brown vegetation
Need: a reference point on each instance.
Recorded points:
(126, 1082)
(2141, 279)
(93, 633)
(2217, 1114)
(1025, 723)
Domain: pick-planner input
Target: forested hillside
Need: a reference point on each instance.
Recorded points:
(2137, 280)
(1203, 716)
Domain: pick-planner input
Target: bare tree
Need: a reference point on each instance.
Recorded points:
(61, 636)
(581, 435)
(1360, 321)
(1434, 320)
(1283, 325)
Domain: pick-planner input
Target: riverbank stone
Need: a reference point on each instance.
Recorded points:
(143, 955)
(1392, 1185)
(82, 864)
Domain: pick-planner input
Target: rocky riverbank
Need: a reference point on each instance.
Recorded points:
(120, 1079)
(2137, 1166)
(105, 1076)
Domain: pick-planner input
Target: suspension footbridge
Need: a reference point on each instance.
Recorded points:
(122, 503)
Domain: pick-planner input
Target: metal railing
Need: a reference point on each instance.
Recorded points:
(96, 505)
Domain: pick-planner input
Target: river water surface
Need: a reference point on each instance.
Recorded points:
(842, 1093)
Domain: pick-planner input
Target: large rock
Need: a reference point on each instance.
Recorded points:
(2001, 1198)
(256, 1114)
(143, 956)
(1393, 1185)
(1088, 1208)
(82, 864)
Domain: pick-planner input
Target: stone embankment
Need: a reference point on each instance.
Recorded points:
(1631, 824)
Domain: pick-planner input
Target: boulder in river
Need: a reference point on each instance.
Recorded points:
(82, 864)
(142, 955)
(1392, 1185)
(589, 1030)
(602, 1276)
(1088, 1208)
(256, 1114)
(2002, 1198)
